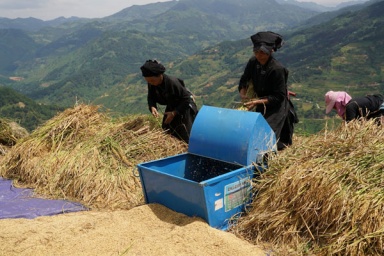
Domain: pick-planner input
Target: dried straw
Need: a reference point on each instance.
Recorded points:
(86, 156)
(323, 196)
(10, 132)
(3, 150)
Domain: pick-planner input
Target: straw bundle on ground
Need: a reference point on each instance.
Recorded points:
(323, 196)
(10, 132)
(86, 156)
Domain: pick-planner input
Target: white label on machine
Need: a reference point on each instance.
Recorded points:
(236, 193)
(218, 204)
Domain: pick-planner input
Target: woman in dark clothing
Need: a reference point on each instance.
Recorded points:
(180, 111)
(348, 108)
(269, 79)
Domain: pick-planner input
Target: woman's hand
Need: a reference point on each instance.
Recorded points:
(243, 94)
(251, 104)
(170, 116)
(254, 102)
(154, 112)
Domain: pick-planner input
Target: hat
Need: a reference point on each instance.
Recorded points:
(152, 68)
(267, 38)
(332, 97)
(330, 100)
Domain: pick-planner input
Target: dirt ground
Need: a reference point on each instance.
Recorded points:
(145, 230)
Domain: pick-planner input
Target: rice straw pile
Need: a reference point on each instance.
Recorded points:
(86, 156)
(10, 132)
(322, 196)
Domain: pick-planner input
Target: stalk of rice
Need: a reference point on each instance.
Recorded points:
(323, 196)
(10, 132)
(86, 156)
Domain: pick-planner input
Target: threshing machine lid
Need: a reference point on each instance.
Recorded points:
(231, 135)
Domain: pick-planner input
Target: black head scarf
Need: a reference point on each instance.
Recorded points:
(267, 40)
(152, 68)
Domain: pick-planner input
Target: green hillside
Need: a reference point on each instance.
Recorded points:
(97, 61)
(16, 46)
(342, 54)
(24, 111)
(90, 58)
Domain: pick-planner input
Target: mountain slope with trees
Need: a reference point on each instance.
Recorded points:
(92, 57)
(16, 46)
(98, 62)
(342, 54)
(23, 110)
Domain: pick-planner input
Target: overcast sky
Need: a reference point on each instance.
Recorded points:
(51, 9)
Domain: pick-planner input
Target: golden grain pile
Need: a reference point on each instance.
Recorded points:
(323, 196)
(86, 156)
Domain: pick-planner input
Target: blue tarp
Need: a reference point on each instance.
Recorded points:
(23, 203)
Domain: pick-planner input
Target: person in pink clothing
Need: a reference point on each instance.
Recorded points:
(337, 101)
(348, 108)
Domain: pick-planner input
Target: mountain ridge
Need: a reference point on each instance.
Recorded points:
(104, 68)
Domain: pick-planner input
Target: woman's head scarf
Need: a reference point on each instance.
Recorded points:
(336, 100)
(267, 41)
(152, 68)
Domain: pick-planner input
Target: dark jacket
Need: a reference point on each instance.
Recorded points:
(173, 93)
(366, 106)
(270, 82)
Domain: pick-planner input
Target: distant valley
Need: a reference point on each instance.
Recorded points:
(206, 43)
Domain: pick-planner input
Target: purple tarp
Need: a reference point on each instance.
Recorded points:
(22, 203)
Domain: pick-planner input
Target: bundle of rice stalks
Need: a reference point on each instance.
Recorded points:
(86, 156)
(3, 150)
(10, 132)
(323, 196)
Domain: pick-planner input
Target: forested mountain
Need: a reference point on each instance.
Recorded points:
(83, 59)
(343, 8)
(33, 24)
(204, 42)
(320, 8)
(21, 109)
(16, 46)
(219, 19)
(342, 54)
